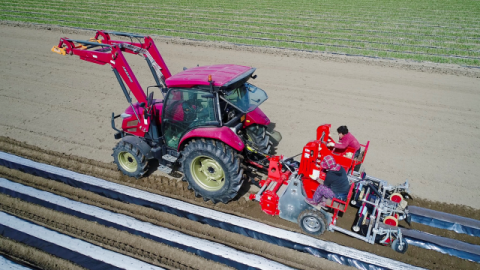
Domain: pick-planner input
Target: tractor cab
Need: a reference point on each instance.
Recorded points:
(210, 96)
(184, 110)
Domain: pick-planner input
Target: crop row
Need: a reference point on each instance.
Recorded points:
(281, 30)
(470, 47)
(331, 48)
(294, 19)
(445, 34)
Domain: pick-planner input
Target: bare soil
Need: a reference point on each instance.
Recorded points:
(422, 126)
(165, 255)
(241, 207)
(422, 119)
(32, 257)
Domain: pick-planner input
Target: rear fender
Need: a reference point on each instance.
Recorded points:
(223, 134)
(256, 117)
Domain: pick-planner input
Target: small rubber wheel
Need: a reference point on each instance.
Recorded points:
(312, 222)
(212, 169)
(391, 220)
(130, 161)
(400, 247)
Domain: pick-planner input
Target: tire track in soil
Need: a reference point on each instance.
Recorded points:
(177, 189)
(32, 257)
(283, 255)
(119, 241)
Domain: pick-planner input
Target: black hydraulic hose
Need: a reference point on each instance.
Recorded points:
(287, 159)
(125, 92)
(374, 189)
(157, 80)
(122, 85)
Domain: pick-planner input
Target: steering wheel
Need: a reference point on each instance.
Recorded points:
(188, 107)
(189, 111)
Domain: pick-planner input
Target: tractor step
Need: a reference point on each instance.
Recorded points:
(169, 158)
(164, 169)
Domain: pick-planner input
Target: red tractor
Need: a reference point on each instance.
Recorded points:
(208, 121)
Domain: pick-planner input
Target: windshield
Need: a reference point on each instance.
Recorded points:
(246, 98)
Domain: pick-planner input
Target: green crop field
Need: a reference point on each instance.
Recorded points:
(440, 31)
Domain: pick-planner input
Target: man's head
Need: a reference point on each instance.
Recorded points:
(342, 130)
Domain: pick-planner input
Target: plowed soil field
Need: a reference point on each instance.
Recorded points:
(422, 121)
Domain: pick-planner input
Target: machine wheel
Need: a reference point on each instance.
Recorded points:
(312, 222)
(130, 160)
(400, 246)
(257, 135)
(391, 220)
(396, 197)
(212, 170)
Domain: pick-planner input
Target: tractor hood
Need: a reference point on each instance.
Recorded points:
(222, 75)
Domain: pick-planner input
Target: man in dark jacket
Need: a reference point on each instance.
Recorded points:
(336, 183)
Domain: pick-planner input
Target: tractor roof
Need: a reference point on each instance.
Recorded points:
(222, 75)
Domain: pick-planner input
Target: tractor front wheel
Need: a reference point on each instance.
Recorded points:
(212, 170)
(130, 160)
(312, 222)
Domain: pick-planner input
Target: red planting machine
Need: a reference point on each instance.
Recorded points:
(290, 182)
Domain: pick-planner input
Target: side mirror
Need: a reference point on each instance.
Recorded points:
(142, 104)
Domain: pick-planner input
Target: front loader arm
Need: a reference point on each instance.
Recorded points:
(148, 45)
(102, 54)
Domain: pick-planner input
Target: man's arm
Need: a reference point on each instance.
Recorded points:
(328, 180)
(343, 143)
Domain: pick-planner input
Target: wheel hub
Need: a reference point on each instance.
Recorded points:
(208, 173)
(127, 161)
(311, 224)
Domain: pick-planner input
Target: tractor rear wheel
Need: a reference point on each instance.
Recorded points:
(212, 169)
(312, 222)
(130, 160)
(257, 135)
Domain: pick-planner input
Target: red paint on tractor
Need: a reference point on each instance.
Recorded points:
(256, 117)
(223, 134)
(221, 75)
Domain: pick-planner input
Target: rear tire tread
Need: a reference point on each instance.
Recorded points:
(231, 165)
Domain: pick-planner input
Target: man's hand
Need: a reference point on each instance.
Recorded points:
(330, 144)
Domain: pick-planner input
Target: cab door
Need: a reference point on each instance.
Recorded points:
(184, 110)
